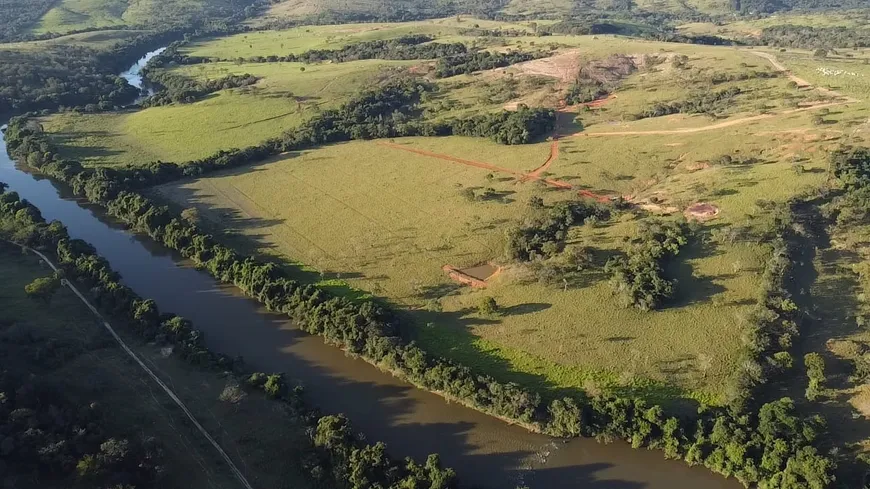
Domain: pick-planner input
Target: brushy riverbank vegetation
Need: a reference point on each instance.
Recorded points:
(336, 456)
(772, 445)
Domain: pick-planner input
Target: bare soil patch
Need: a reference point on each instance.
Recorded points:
(701, 211)
(563, 66)
(474, 276)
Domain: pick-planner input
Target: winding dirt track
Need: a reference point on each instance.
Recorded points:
(554, 154)
(521, 177)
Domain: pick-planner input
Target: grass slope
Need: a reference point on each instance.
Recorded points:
(228, 119)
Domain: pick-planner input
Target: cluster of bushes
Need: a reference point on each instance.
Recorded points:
(181, 89)
(543, 235)
(521, 126)
(638, 277)
(701, 103)
(471, 62)
(774, 447)
(583, 91)
(719, 77)
(808, 37)
(774, 321)
(341, 458)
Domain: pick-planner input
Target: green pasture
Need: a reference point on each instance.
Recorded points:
(71, 15)
(300, 39)
(385, 221)
(234, 118)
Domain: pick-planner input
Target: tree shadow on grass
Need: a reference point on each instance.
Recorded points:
(690, 287)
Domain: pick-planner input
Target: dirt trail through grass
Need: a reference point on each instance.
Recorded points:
(535, 175)
(742, 120)
(554, 154)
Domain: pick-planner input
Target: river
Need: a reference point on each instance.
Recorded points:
(484, 451)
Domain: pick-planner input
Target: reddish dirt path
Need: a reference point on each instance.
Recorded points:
(477, 164)
(522, 177)
(554, 154)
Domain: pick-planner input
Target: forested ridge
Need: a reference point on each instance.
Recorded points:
(77, 448)
(808, 37)
(773, 445)
(70, 76)
(16, 16)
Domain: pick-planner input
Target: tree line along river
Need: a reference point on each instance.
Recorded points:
(485, 451)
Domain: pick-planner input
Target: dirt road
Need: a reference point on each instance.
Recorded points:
(521, 177)
(743, 120)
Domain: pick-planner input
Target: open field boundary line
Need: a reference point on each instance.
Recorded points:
(241, 478)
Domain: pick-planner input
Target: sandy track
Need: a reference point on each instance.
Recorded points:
(743, 120)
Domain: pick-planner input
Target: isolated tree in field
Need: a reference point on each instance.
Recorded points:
(191, 215)
(43, 288)
(820, 53)
(487, 306)
(815, 373)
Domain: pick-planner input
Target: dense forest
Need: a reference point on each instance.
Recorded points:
(62, 76)
(176, 88)
(772, 445)
(806, 37)
(638, 276)
(46, 434)
(16, 16)
(70, 76)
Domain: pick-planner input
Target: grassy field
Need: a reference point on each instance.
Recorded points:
(381, 218)
(372, 218)
(70, 15)
(233, 118)
(99, 371)
(301, 39)
(75, 15)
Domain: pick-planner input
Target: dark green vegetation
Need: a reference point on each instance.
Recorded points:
(36, 443)
(638, 277)
(53, 434)
(408, 47)
(17, 15)
(178, 89)
(479, 61)
(709, 103)
(71, 76)
(772, 445)
(807, 37)
(543, 235)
